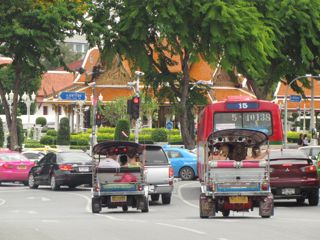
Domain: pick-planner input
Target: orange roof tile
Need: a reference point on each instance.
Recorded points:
(307, 91)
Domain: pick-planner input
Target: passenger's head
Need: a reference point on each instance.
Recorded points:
(256, 151)
(131, 153)
(225, 149)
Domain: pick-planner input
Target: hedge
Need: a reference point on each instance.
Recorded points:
(159, 135)
(293, 137)
(81, 147)
(32, 144)
(52, 132)
(106, 130)
(48, 140)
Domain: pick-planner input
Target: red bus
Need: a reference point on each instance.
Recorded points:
(237, 112)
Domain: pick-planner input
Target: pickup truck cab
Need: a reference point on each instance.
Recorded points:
(158, 174)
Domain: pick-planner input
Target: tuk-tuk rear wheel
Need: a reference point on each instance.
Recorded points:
(96, 205)
(125, 208)
(145, 201)
(226, 213)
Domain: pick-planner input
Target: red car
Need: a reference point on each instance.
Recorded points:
(14, 167)
(293, 176)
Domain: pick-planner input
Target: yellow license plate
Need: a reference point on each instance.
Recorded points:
(118, 198)
(22, 167)
(238, 200)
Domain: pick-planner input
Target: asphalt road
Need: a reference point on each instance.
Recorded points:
(42, 214)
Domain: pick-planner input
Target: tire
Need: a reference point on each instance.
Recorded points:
(313, 198)
(145, 205)
(226, 213)
(95, 205)
(300, 201)
(186, 173)
(166, 198)
(53, 183)
(31, 182)
(71, 187)
(202, 215)
(155, 197)
(125, 208)
(25, 183)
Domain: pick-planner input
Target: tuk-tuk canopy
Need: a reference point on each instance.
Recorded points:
(117, 147)
(248, 137)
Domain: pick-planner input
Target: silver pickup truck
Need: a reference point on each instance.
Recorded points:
(159, 174)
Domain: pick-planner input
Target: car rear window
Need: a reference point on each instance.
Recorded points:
(289, 161)
(12, 157)
(73, 157)
(155, 156)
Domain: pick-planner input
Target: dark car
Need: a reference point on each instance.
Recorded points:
(63, 168)
(294, 176)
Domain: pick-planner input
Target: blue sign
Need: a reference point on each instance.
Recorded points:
(242, 105)
(295, 98)
(169, 125)
(72, 96)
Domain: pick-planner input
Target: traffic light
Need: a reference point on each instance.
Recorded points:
(98, 119)
(129, 107)
(135, 107)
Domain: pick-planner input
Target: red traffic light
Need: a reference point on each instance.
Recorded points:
(136, 100)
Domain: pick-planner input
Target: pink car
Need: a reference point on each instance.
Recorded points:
(14, 167)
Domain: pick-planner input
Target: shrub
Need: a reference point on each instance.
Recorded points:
(20, 132)
(48, 140)
(174, 138)
(106, 130)
(123, 125)
(159, 135)
(42, 121)
(32, 144)
(63, 137)
(80, 147)
(105, 136)
(52, 132)
(1, 133)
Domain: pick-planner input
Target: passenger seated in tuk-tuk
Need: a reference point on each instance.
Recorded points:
(110, 161)
(239, 152)
(123, 160)
(133, 159)
(222, 154)
(257, 154)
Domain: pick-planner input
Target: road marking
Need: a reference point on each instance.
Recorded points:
(88, 206)
(182, 198)
(44, 199)
(2, 202)
(182, 228)
(49, 221)
(31, 198)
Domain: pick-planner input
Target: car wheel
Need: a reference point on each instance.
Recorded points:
(26, 183)
(145, 204)
(31, 182)
(226, 213)
(314, 198)
(155, 197)
(96, 205)
(300, 201)
(53, 183)
(186, 173)
(125, 208)
(166, 198)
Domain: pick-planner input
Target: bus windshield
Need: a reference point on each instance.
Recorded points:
(261, 121)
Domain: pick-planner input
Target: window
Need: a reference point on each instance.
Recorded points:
(174, 154)
(45, 110)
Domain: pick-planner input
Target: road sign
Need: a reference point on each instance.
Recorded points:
(169, 125)
(295, 98)
(72, 96)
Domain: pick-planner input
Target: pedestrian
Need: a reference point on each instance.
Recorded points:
(300, 140)
(305, 141)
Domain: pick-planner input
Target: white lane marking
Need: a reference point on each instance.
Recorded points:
(222, 238)
(182, 228)
(182, 198)
(31, 198)
(14, 191)
(49, 221)
(32, 212)
(44, 199)
(88, 206)
(2, 202)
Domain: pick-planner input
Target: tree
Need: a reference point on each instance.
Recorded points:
(148, 107)
(1, 133)
(20, 132)
(122, 130)
(63, 137)
(296, 24)
(160, 36)
(31, 30)
(113, 111)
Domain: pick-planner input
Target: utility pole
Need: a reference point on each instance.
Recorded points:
(137, 91)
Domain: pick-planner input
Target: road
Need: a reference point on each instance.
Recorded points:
(42, 214)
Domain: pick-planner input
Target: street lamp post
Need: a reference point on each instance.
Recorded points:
(9, 98)
(28, 100)
(286, 106)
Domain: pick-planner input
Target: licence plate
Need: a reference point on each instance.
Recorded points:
(239, 199)
(22, 167)
(83, 169)
(118, 198)
(288, 191)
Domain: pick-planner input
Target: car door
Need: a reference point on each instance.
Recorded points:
(42, 169)
(176, 159)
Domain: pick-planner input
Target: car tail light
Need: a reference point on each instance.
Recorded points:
(309, 169)
(7, 166)
(319, 164)
(171, 172)
(140, 188)
(66, 167)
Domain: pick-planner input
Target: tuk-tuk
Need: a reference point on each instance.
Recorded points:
(236, 181)
(115, 183)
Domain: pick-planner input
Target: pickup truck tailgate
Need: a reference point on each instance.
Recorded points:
(157, 174)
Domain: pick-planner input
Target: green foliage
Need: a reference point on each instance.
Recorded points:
(115, 110)
(63, 137)
(1, 133)
(105, 136)
(52, 132)
(20, 132)
(159, 135)
(42, 121)
(48, 140)
(123, 125)
(28, 143)
(106, 130)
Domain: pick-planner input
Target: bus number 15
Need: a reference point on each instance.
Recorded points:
(243, 105)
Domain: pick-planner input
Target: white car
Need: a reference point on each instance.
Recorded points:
(311, 151)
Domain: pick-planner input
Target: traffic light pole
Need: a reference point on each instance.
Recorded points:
(138, 121)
